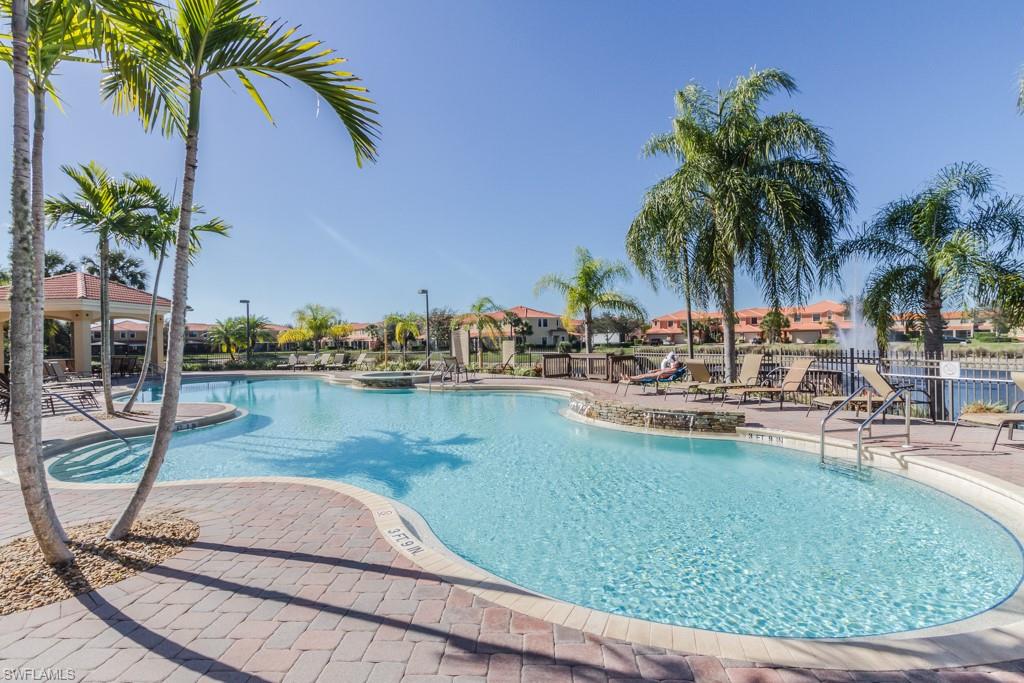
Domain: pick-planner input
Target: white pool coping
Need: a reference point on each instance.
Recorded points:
(992, 636)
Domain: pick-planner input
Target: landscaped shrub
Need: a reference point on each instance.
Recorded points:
(983, 407)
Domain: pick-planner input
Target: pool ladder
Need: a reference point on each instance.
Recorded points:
(857, 468)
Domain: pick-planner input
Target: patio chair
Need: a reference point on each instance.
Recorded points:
(322, 361)
(338, 362)
(1009, 419)
(508, 354)
(794, 382)
(879, 389)
(57, 375)
(305, 361)
(454, 370)
(662, 378)
(750, 375)
(362, 362)
(293, 360)
(700, 378)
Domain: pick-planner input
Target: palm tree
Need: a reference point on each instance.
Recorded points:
(26, 360)
(590, 289)
(950, 241)
(227, 335)
(122, 268)
(158, 237)
(760, 194)
(159, 59)
(480, 317)
(661, 242)
(317, 320)
(58, 31)
(56, 263)
(112, 210)
(407, 326)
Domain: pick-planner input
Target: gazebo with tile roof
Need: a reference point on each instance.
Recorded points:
(75, 297)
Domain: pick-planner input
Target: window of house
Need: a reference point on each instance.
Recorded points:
(753, 320)
(542, 322)
(830, 315)
(796, 317)
(816, 317)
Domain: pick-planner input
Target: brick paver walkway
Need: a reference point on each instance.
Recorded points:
(294, 583)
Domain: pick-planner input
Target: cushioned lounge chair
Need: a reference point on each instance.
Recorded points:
(662, 379)
(293, 360)
(1009, 419)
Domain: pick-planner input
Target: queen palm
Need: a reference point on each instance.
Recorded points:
(949, 242)
(660, 243)
(480, 317)
(26, 362)
(227, 335)
(112, 210)
(407, 326)
(158, 236)
(317, 320)
(590, 288)
(58, 31)
(159, 60)
(759, 194)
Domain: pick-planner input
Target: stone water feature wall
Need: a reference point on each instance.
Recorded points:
(714, 421)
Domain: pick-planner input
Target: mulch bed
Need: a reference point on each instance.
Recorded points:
(26, 581)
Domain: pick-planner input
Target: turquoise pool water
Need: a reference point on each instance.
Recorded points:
(710, 534)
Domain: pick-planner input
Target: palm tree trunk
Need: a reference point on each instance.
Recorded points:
(176, 334)
(38, 224)
(25, 377)
(148, 356)
(105, 332)
(933, 318)
(933, 349)
(588, 326)
(729, 324)
(689, 304)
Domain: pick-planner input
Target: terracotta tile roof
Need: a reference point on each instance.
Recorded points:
(85, 286)
(126, 326)
(524, 312)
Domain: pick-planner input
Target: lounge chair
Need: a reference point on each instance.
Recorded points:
(700, 378)
(1009, 419)
(322, 361)
(454, 370)
(750, 375)
(305, 361)
(338, 362)
(508, 354)
(792, 383)
(664, 377)
(293, 360)
(362, 362)
(879, 389)
(57, 375)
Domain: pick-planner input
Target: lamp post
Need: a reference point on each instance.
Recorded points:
(248, 334)
(426, 294)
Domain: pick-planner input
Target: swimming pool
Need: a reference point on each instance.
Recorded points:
(713, 534)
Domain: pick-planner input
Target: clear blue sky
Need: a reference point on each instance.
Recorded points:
(511, 133)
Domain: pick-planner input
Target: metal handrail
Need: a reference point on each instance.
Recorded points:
(89, 417)
(881, 409)
(835, 410)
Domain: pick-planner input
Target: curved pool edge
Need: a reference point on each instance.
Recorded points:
(994, 635)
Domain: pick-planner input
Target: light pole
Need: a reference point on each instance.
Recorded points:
(248, 335)
(426, 294)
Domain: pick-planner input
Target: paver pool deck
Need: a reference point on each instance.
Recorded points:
(294, 582)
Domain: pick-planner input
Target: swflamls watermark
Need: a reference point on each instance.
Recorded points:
(49, 674)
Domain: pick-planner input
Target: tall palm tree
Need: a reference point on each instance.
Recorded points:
(159, 59)
(950, 241)
(122, 268)
(227, 335)
(660, 243)
(112, 210)
(58, 31)
(590, 288)
(761, 194)
(158, 236)
(56, 263)
(407, 326)
(317, 320)
(26, 364)
(481, 318)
